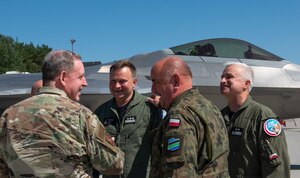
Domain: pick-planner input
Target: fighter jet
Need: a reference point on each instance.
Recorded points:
(276, 82)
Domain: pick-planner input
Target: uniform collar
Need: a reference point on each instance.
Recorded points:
(246, 103)
(227, 113)
(183, 95)
(53, 90)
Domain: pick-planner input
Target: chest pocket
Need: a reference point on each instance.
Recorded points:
(242, 134)
(135, 126)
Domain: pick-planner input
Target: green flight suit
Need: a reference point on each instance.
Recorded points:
(133, 133)
(256, 150)
(191, 141)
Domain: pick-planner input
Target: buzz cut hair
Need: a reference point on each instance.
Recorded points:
(121, 64)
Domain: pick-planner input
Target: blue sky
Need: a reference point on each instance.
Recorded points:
(111, 30)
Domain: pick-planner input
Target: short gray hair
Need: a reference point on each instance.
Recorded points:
(57, 61)
(247, 72)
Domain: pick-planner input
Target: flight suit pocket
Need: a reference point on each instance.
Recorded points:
(270, 157)
(236, 142)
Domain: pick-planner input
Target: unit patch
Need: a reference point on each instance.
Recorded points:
(272, 127)
(236, 131)
(174, 122)
(130, 120)
(173, 144)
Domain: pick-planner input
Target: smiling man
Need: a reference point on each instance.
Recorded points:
(50, 134)
(257, 142)
(130, 118)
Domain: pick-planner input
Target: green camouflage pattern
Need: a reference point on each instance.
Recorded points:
(251, 150)
(49, 135)
(200, 147)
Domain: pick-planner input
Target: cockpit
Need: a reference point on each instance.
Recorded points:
(226, 48)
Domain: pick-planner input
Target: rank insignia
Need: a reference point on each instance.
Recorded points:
(272, 127)
(236, 131)
(173, 144)
(174, 122)
(130, 120)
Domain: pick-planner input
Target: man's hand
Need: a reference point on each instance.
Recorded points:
(155, 100)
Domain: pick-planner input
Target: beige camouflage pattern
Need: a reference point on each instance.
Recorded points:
(202, 141)
(49, 135)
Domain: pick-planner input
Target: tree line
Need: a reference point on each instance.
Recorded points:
(18, 56)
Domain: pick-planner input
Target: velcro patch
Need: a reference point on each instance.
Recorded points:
(236, 131)
(173, 144)
(101, 132)
(272, 127)
(130, 120)
(175, 122)
(94, 123)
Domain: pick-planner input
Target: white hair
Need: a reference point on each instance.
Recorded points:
(246, 74)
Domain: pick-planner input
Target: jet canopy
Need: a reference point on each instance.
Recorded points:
(225, 48)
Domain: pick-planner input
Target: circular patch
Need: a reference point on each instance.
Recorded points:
(272, 127)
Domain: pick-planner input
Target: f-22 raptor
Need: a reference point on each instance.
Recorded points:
(276, 80)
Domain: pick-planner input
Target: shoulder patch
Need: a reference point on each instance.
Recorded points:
(173, 144)
(272, 127)
(174, 122)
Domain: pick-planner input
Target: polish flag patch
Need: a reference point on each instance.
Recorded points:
(174, 122)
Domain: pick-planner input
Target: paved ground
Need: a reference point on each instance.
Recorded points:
(292, 132)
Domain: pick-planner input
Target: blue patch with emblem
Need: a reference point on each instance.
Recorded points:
(272, 127)
(173, 144)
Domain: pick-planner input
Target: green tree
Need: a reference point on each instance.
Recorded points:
(16, 56)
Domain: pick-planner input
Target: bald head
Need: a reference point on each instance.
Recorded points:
(172, 65)
(170, 76)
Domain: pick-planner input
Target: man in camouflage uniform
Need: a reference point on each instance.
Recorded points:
(257, 142)
(192, 140)
(52, 135)
(130, 119)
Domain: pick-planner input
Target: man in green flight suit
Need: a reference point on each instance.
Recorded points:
(257, 142)
(192, 139)
(131, 120)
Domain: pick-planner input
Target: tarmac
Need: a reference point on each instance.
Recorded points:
(292, 133)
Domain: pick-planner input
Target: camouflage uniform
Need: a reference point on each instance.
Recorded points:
(49, 135)
(192, 140)
(133, 133)
(257, 142)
